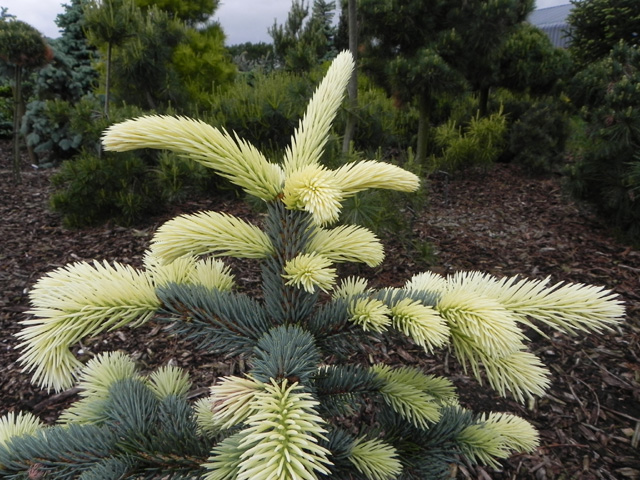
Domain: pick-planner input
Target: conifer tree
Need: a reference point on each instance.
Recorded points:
(302, 43)
(110, 23)
(292, 414)
(22, 48)
(71, 74)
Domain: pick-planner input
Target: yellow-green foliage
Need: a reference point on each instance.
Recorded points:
(202, 63)
(477, 144)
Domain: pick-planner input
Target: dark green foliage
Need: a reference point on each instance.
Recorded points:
(177, 178)
(302, 43)
(108, 24)
(21, 45)
(142, 70)
(528, 61)
(263, 109)
(596, 26)
(253, 57)
(381, 123)
(192, 12)
(418, 50)
(537, 139)
(6, 111)
(605, 168)
(92, 189)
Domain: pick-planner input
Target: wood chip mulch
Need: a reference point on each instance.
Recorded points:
(501, 221)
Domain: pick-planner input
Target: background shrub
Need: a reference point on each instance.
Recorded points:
(262, 109)
(476, 144)
(605, 168)
(176, 178)
(59, 129)
(537, 138)
(92, 189)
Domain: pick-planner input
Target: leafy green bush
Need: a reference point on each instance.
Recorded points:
(478, 144)
(605, 167)
(537, 139)
(92, 189)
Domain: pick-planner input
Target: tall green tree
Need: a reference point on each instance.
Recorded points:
(110, 23)
(418, 49)
(494, 21)
(202, 62)
(192, 12)
(71, 74)
(607, 167)
(352, 87)
(530, 63)
(599, 25)
(301, 42)
(22, 48)
(142, 70)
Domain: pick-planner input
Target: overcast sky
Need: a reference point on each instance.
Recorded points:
(242, 20)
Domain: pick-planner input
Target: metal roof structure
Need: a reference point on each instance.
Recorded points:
(553, 21)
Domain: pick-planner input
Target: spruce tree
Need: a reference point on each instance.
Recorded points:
(302, 409)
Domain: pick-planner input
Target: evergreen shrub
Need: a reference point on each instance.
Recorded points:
(261, 107)
(537, 139)
(91, 189)
(478, 144)
(176, 178)
(604, 167)
(381, 124)
(305, 407)
(59, 129)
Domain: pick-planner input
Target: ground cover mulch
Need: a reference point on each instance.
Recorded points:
(501, 221)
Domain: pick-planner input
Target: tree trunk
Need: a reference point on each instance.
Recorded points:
(107, 85)
(483, 102)
(352, 88)
(17, 101)
(423, 128)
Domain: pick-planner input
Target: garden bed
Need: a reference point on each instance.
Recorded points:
(502, 222)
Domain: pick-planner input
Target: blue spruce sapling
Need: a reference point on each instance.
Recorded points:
(302, 409)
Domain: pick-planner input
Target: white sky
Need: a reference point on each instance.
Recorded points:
(242, 20)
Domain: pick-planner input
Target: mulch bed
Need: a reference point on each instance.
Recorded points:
(501, 221)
